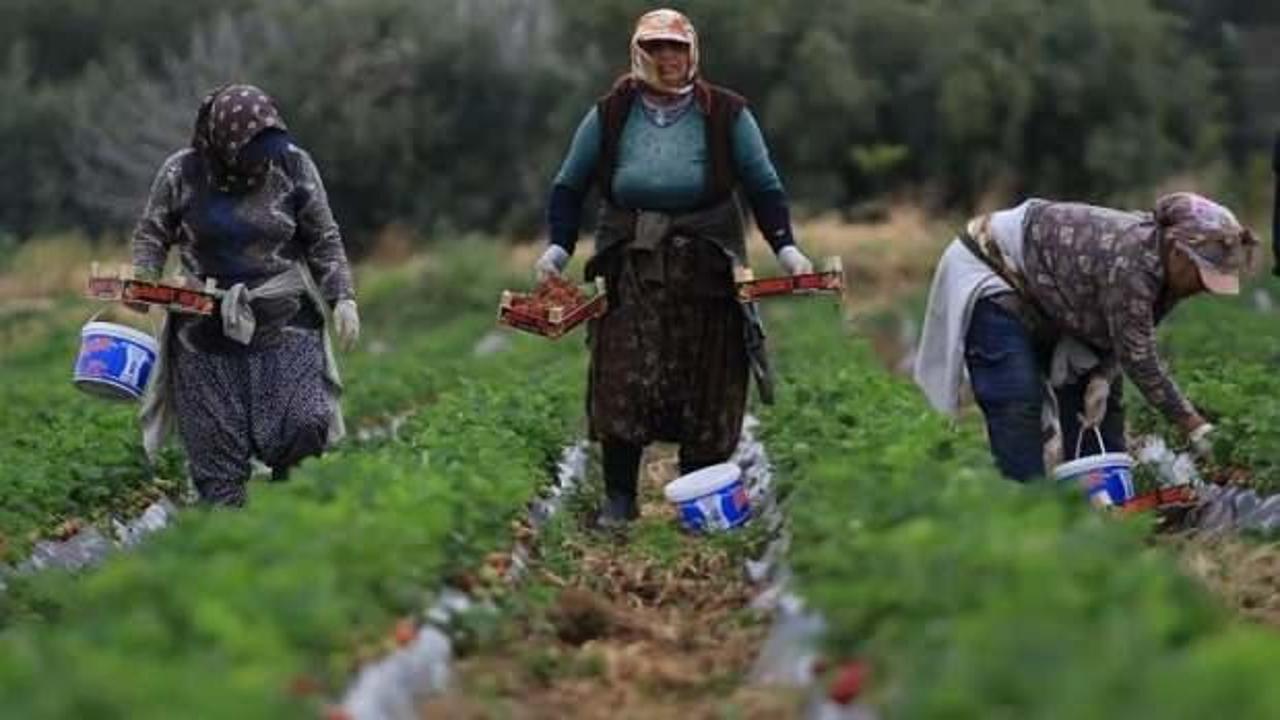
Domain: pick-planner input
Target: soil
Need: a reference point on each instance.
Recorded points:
(1243, 574)
(650, 624)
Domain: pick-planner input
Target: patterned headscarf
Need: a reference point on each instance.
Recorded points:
(1210, 235)
(230, 117)
(663, 25)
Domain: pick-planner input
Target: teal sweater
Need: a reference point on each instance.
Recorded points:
(665, 168)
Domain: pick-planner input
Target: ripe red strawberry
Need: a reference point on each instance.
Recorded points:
(406, 630)
(303, 686)
(848, 682)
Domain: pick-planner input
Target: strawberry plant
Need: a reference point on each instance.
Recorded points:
(1224, 353)
(973, 596)
(226, 611)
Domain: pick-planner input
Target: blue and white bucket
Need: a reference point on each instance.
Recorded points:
(1106, 479)
(711, 499)
(115, 361)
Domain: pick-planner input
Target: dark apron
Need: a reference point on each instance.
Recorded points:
(670, 360)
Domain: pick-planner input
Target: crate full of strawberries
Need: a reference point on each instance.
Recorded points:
(830, 280)
(554, 308)
(177, 295)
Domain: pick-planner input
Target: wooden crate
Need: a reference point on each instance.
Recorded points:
(173, 295)
(559, 321)
(829, 281)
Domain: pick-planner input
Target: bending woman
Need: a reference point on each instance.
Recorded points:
(668, 151)
(246, 208)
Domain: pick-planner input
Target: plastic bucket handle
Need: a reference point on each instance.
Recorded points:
(1097, 433)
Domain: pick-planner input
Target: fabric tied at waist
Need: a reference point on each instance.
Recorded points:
(643, 231)
(238, 323)
(238, 319)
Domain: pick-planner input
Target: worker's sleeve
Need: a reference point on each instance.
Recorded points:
(569, 190)
(157, 227)
(761, 183)
(326, 256)
(1129, 302)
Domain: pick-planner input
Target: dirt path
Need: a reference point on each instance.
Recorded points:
(653, 624)
(1244, 575)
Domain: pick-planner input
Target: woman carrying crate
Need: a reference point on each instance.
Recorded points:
(246, 209)
(671, 359)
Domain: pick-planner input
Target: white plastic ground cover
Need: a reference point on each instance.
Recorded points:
(792, 647)
(396, 687)
(91, 546)
(388, 430)
(1221, 508)
(1238, 509)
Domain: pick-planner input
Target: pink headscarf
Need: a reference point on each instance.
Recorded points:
(1210, 235)
(664, 24)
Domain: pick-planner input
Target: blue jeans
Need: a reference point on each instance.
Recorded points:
(1007, 374)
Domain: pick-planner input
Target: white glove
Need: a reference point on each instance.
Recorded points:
(346, 322)
(552, 262)
(794, 261)
(1202, 440)
(1096, 394)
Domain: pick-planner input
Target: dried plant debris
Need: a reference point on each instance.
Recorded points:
(645, 624)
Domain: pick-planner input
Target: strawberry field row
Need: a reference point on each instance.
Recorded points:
(264, 612)
(972, 596)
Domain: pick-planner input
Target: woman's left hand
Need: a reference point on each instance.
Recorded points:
(346, 321)
(794, 261)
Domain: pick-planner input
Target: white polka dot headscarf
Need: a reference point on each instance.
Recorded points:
(229, 118)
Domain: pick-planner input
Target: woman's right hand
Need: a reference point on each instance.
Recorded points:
(552, 262)
(1200, 433)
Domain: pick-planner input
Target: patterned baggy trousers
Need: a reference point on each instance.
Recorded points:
(271, 403)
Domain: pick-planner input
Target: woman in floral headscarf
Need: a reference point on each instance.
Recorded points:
(668, 152)
(247, 210)
(1047, 303)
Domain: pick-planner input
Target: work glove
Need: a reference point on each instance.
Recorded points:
(794, 261)
(346, 322)
(1096, 394)
(553, 261)
(1202, 440)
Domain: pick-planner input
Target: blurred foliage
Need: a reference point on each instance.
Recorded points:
(453, 114)
(975, 597)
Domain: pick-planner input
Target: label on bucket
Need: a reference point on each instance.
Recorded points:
(723, 510)
(115, 362)
(1108, 486)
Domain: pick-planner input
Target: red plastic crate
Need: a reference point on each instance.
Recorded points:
(1164, 497)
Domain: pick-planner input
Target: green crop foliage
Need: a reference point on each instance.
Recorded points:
(973, 596)
(1224, 354)
(224, 611)
(67, 455)
(64, 455)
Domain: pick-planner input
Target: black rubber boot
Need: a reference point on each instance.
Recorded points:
(621, 478)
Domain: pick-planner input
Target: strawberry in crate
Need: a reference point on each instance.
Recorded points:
(554, 308)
